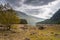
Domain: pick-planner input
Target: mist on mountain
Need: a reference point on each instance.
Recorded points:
(55, 19)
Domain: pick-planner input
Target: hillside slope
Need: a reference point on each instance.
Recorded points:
(55, 19)
(31, 20)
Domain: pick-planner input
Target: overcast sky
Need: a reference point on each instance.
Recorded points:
(37, 8)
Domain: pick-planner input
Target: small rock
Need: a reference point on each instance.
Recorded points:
(5, 34)
(26, 39)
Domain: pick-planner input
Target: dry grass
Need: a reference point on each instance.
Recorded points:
(28, 32)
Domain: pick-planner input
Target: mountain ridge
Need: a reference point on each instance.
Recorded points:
(55, 19)
(31, 19)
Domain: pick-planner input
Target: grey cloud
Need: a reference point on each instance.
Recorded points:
(37, 2)
(2, 1)
(34, 11)
(29, 2)
(50, 13)
(56, 7)
(14, 2)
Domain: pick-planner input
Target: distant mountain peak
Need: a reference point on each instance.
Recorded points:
(5, 7)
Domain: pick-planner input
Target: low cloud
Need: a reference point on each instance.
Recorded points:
(38, 2)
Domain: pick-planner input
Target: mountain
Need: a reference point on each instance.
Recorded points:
(55, 19)
(30, 19)
(56, 16)
(5, 7)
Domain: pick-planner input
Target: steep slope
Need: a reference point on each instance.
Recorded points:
(55, 19)
(56, 16)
